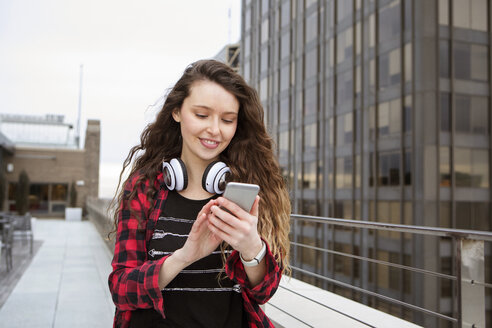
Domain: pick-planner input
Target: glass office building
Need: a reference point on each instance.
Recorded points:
(381, 112)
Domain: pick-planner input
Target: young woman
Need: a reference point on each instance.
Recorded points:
(180, 259)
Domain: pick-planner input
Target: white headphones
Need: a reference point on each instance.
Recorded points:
(214, 178)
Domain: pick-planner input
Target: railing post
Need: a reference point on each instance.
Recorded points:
(472, 294)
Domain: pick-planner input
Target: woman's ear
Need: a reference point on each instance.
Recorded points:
(177, 115)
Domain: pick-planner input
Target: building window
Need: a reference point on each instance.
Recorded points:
(471, 61)
(471, 167)
(444, 12)
(389, 21)
(311, 63)
(445, 112)
(470, 14)
(309, 175)
(444, 58)
(407, 160)
(389, 169)
(389, 69)
(471, 114)
(408, 62)
(264, 60)
(345, 91)
(344, 43)
(345, 129)
(311, 100)
(285, 13)
(407, 114)
(284, 77)
(344, 10)
(444, 166)
(312, 27)
(344, 172)
(311, 137)
(283, 144)
(285, 46)
(264, 31)
(389, 117)
(472, 215)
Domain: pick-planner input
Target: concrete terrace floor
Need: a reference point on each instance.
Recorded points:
(65, 285)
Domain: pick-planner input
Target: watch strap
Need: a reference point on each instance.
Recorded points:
(257, 259)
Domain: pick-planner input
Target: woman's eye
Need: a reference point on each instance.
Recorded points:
(227, 121)
(201, 115)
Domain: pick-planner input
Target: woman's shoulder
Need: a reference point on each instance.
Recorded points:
(142, 183)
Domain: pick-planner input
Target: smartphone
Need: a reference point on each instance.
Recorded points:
(243, 194)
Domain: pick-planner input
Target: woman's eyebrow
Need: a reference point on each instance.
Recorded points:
(211, 109)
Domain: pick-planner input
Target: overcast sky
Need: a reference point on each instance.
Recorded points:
(131, 51)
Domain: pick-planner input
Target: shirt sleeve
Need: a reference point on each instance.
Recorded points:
(134, 281)
(262, 292)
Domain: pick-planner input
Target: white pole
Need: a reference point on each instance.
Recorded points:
(77, 137)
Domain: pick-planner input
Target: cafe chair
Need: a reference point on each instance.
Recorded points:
(23, 229)
(7, 243)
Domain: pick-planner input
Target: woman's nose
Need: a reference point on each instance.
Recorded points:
(214, 126)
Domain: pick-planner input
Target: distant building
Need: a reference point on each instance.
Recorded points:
(45, 147)
(230, 55)
(381, 111)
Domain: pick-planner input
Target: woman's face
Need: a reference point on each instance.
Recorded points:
(208, 121)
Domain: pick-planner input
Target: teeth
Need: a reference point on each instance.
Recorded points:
(210, 142)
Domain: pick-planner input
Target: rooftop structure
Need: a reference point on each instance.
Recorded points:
(38, 131)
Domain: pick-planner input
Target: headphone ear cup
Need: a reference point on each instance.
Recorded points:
(175, 175)
(215, 177)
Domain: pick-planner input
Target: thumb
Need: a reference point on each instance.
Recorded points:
(255, 207)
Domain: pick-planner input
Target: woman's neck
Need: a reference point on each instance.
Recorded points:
(195, 170)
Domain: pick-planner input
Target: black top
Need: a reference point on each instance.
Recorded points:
(201, 295)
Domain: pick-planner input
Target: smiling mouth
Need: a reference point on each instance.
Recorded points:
(209, 143)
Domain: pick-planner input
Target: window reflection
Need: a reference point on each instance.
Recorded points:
(470, 14)
(344, 172)
(312, 27)
(471, 167)
(444, 166)
(444, 59)
(389, 21)
(309, 176)
(389, 117)
(471, 61)
(471, 114)
(311, 137)
(389, 169)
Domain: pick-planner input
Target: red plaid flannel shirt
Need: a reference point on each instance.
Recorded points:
(134, 280)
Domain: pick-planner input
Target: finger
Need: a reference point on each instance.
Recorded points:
(220, 224)
(231, 207)
(225, 216)
(255, 208)
(219, 234)
(198, 222)
(206, 208)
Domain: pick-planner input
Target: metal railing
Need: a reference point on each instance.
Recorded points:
(468, 257)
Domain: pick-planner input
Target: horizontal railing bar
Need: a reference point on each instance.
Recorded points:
(290, 315)
(399, 266)
(474, 282)
(433, 231)
(326, 306)
(386, 298)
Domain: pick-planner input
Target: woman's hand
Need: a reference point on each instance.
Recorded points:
(201, 241)
(237, 228)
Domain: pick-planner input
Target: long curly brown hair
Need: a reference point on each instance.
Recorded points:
(249, 154)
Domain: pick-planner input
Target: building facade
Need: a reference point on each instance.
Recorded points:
(44, 147)
(381, 112)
